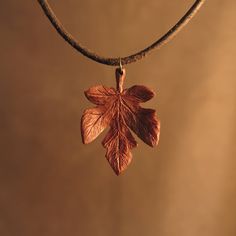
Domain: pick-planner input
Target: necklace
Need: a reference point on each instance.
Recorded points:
(119, 108)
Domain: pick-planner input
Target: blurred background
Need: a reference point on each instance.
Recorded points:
(53, 185)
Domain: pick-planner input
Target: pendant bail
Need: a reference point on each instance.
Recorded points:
(121, 67)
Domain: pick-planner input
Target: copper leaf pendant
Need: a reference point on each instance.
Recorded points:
(120, 110)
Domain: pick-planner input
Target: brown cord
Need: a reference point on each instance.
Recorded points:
(124, 60)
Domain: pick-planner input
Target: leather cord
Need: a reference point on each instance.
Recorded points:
(124, 60)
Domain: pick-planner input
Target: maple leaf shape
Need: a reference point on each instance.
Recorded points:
(120, 110)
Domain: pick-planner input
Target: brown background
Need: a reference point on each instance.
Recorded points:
(51, 184)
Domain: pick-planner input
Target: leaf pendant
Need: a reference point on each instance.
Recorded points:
(119, 108)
